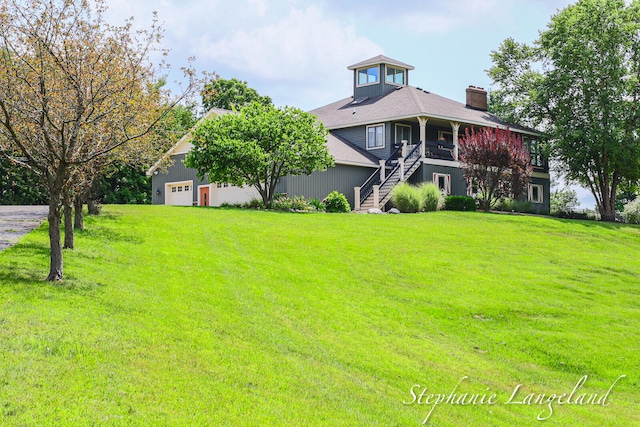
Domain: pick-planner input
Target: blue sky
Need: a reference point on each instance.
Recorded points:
(297, 51)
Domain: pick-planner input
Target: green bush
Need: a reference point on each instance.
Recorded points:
(460, 203)
(317, 204)
(285, 203)
(406, 198)
(631, 212)
(336, 202)
(524, 207)
(254, 204)
(430, 197)
(505, 205)
(510, 205)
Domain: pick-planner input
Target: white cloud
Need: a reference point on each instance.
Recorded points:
(303, 49)
(303, 44)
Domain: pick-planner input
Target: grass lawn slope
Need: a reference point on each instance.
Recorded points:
(192, 317)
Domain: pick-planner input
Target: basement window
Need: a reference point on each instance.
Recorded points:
(535, 193)
(443, 181)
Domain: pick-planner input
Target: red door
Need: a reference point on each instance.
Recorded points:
(204, 196)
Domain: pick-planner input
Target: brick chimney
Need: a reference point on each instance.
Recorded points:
(477, 98)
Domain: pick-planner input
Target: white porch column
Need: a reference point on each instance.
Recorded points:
(356, 191)
(376, 196)
(423, 135)
(455, 126)
(404, 148)
(401, 164)
(383, 171)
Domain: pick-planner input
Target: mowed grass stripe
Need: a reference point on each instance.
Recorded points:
(192, 316)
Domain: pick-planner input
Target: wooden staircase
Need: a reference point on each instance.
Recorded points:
(375, 193)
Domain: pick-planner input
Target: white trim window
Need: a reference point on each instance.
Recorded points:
(375, 137)
(368, 76)
(536, 194)
(395, 75)
(403, 133)
(443, 181)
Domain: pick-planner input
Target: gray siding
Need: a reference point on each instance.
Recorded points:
(176, 172)
(341, 178)
(379, 89)
(358, 136)
(425, 174)
(545, 206)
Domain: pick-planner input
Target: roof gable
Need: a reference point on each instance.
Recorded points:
(184, 144)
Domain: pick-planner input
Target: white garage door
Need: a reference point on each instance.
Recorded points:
(179, 193)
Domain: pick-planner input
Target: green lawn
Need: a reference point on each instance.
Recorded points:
(193, 317)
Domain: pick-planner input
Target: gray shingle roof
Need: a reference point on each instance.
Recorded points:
(380, 59)
(348, 154)
(404, 103)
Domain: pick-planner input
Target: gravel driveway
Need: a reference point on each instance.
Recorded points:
(16, 221)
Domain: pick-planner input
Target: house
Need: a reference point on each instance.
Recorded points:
(180, 186)
(386, 132)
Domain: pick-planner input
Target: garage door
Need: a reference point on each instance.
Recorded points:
(179, 193)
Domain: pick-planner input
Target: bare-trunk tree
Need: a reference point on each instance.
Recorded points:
(68, 221)
(73, 91)
(78, 219)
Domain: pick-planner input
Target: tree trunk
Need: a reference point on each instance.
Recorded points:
(608, 211)
(55, 267)
(78, 219)
(93, 207)
(68, 222)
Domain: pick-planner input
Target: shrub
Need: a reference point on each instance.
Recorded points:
(406, 198)
(510, 205)
(317, 204)
(525, 207)
(572, 215)
(505, 205)
(254, 204)
(336, 202)
(460, 203)
(285, 203)
(430, 197)
(631, 212)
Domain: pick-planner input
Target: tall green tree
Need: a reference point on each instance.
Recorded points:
(230, 94)
(579, 84)
(18, 185)
(259, 145)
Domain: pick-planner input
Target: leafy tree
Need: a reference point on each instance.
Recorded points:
(496, 162)
(18, 185)
(563, 200)
(580, 85)
(231, 94)
(125, 185)
(74, 90)
(258, 146)
(627, 192)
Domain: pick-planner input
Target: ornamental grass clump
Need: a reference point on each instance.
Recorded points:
(430, 197)
(406, 198)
